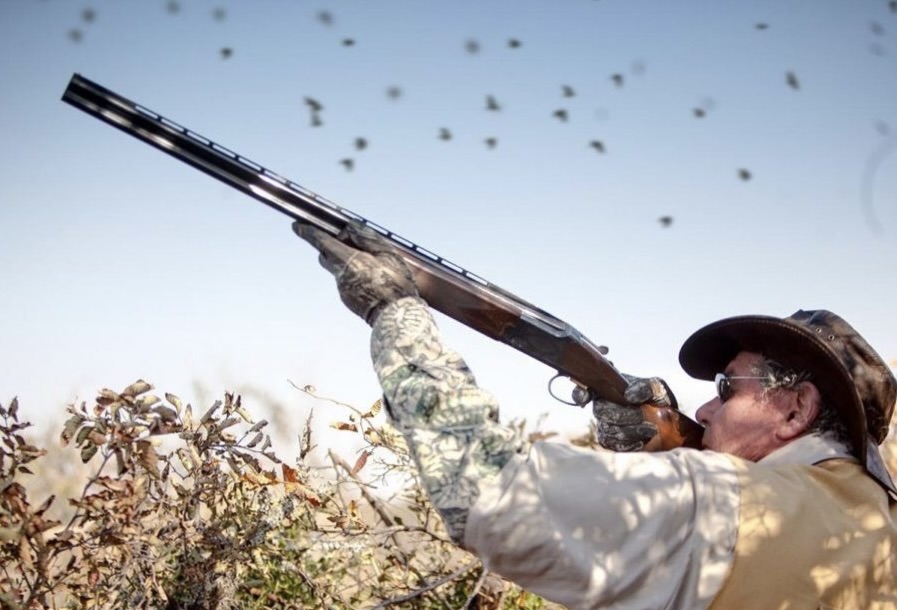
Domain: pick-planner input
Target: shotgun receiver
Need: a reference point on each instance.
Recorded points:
(445, 286)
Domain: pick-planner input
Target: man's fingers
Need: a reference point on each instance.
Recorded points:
(618, 415)
(625, 438)
(309, 233)
(653, 391)
(334, 253)
(366, 238)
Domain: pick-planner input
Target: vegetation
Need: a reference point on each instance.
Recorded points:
(176, 508)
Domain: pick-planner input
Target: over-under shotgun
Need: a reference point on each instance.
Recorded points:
(446, 287)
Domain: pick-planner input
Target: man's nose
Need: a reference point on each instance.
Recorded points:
(706, 411)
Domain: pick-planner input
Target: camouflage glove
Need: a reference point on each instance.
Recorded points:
(369, 273)
(623, 427)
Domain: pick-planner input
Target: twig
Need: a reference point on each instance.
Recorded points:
(428, 588)
(374, 502)
(395, 529)
(476, 588)
(324, 398)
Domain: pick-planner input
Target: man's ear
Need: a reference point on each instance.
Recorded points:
(803, 406)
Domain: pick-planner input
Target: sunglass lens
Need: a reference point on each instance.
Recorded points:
(723, 387)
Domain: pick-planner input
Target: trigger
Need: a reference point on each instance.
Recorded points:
(581, 395)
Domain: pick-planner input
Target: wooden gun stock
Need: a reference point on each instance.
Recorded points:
(446, 287)
(674, 429)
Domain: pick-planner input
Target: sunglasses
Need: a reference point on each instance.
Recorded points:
(723, 384)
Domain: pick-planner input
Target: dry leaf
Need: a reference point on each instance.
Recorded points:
(147, 401)
(375, 408)
(290, 475)
(138, 387)
(68, 431)
(173, 400)
(341, 425)
(373, 437)
(88, 452)
(148, 458)
(360, 462)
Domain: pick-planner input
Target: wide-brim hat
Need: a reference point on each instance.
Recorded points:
(850, 375)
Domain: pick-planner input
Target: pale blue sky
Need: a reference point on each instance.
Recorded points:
(118, 262)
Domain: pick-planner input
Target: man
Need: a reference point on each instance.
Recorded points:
(789, 506)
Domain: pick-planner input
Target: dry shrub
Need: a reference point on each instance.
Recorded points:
(197, 511)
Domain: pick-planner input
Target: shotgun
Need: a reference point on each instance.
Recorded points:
(445, 286)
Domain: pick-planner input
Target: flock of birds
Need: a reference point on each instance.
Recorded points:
(491, 104)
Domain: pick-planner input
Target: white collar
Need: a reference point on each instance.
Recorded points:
(810, 449)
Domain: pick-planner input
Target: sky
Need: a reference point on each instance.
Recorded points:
(118, 262)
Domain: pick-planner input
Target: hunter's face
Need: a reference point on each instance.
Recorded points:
(746, 420)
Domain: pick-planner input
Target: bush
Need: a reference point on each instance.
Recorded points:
(179, 510)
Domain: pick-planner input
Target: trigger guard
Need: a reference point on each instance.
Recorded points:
(581, 394)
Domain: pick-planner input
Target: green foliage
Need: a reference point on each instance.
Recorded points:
(188, 510)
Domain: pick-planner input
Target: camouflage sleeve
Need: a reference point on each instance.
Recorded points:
(451, 424)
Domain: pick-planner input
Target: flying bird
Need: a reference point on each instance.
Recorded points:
(560, 114)
(744, 174)
(567, 91)
(348, 42)
(226, 52)
(314, 107)
(665, 221)
(325, 17)
(491, 142)
(472, 46)
(492, 104)
(761, 26)
(88, 15)
(514, 43)
(877, 28)
(173, 7)
(393, 92)
(893, 6)
(791, 79)
(314, 104)
(349, 164)
(445, 134)
(707, 104)
(75, 35)
(219, 14)
(597, 145)
(618, 79)
(360, 143)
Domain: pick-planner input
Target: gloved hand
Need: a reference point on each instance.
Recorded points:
(369, 273)
(623, 427)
